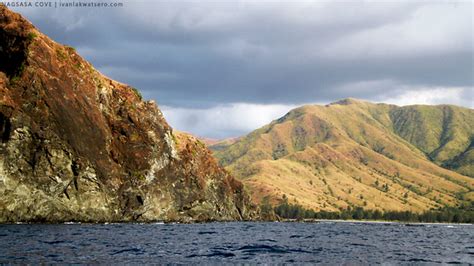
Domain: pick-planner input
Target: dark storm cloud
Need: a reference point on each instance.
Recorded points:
(205, 55)
(201, 54)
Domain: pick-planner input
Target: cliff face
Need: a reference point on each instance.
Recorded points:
(78, 146)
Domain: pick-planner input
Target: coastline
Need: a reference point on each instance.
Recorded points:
(249, 221)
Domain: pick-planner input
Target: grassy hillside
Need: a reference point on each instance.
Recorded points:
(359, 154)
(443, 133)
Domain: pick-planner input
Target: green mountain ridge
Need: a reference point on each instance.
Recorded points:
(320, 155)
(444, 133)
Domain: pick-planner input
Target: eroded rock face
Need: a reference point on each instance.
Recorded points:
(78, 146)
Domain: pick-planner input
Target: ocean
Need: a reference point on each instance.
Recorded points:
(238, 242)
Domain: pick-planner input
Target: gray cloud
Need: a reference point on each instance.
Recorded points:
(189, 55)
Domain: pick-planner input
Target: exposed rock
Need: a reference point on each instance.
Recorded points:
(78, 146)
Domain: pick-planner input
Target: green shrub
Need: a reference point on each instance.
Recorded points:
(137, 93)
(70, 48)
(31, 36)
(18, 74)
(15, 79)
(61, 55)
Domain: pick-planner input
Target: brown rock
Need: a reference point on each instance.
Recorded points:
(78, 146)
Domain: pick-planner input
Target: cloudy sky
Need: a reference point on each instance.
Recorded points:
(221, 69)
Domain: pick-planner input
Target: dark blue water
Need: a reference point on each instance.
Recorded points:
(330, 243)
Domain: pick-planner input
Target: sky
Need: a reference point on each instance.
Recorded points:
(224, 68)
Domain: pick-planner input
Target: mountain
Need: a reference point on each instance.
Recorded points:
(78, 146)
(358, 154)
(209, 141)
(220, 144)
(445, 134)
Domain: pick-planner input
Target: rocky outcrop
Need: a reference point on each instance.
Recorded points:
(78, 146)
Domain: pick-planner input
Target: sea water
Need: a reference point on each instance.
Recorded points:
(238, 242)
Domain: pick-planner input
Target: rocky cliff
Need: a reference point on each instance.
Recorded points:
(78, 146)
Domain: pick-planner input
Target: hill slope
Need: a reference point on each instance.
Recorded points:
(76, 145)
(444, 133)
(355, 153)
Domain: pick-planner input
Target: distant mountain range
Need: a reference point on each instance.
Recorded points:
(353, 153)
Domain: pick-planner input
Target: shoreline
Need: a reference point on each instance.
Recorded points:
(376, 222)
(282, 221)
